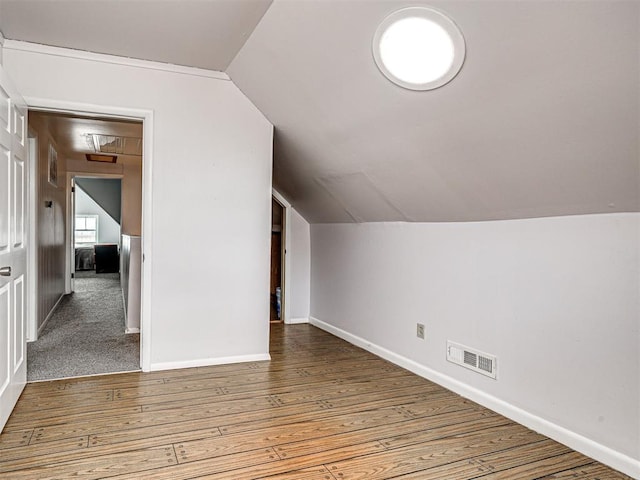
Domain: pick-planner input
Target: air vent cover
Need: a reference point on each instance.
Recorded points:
(114, 144)
(472, 359)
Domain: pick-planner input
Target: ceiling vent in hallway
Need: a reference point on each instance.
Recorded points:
(113, 144)
(472, 359)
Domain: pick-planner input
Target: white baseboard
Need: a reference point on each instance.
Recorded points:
(293, 321)
(584, 445)
(205, 362)
(49, 315)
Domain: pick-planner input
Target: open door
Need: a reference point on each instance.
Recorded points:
(13, 251)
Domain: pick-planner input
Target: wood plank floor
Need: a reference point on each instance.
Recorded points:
(321, 409)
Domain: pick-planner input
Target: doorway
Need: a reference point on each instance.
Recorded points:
(96, 222)
(276, 288)
(91, 205)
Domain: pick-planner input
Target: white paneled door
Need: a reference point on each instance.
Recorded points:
(13, 251)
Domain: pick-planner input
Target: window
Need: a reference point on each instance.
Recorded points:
(86, 229)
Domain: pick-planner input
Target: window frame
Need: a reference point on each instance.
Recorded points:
(76, 229)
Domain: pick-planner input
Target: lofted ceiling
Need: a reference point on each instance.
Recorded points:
(198, 33)
(543, 119)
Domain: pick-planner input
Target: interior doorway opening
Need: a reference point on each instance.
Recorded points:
(276, 289)
(89, 181)
(96, 224)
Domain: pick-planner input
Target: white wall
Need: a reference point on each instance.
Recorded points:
(556, 299)
(108, 228)
(211, 197)
(300, 258)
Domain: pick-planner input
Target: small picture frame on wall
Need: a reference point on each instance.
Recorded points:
(53, 166)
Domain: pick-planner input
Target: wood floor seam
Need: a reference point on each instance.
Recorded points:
(320, 409)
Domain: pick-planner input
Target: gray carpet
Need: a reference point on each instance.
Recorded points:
(85, 335)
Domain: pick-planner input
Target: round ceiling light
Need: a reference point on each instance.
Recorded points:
(418, 48)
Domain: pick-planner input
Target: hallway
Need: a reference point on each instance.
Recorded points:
(85, 335)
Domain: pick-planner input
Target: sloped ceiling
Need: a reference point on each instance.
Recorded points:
(197, 33)
(543, 119)
(106, 192)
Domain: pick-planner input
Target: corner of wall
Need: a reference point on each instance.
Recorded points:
(584, 445)
(253, 105)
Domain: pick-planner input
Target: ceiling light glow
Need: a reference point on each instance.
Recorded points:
(418, 48)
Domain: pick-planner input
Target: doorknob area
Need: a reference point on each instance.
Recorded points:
(5, 272)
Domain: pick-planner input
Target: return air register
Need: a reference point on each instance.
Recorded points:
(472, 359)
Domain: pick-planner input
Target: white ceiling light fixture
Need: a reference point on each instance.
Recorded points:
(419, 48)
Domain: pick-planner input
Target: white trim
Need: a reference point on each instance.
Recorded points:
(131, 330)
(147, 267)
(147, 204)
(112, 59)
(76, 173)
(70, 267)
(107, 111)
(293, 321)
(50, 314)
(32, 244)
(283, 201)
(286, 294)
(582, 444)
(206, 362)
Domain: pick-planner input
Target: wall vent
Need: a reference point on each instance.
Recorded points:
(472, 359)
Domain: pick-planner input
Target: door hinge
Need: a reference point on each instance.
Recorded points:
(73, 189)
(73, 275)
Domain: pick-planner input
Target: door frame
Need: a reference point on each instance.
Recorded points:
(32, 232)
(286, 248)
(146, 116)
(70, 236)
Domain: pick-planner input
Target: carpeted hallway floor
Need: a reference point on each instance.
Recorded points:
(85, 335)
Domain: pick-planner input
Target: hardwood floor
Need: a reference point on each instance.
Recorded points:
(320, 410)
